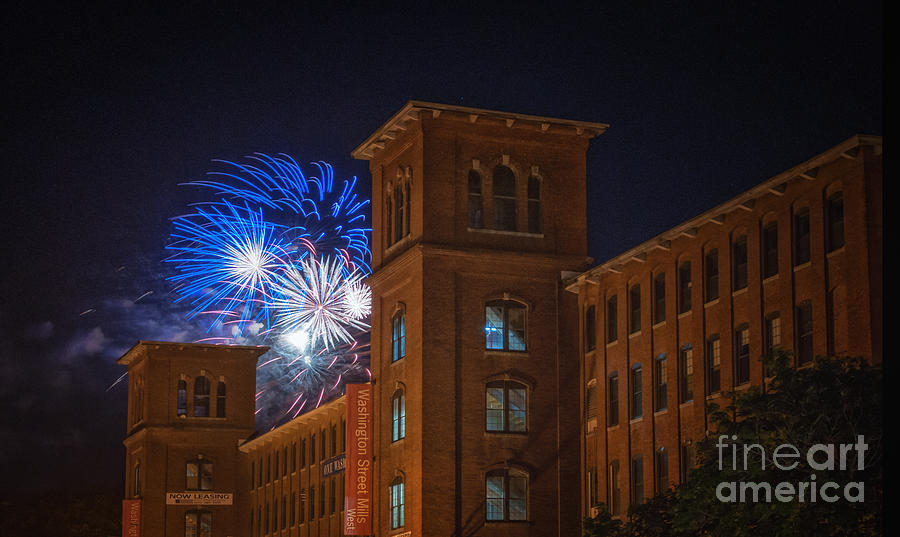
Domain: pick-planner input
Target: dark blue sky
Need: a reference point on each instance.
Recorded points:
(108, 110)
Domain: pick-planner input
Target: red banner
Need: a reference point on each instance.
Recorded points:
(131, 518)
(358, 474)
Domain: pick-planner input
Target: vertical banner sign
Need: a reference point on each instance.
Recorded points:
(131, 518)
(358, 473)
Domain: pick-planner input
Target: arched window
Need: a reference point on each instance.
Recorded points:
(506, 495)
(398, 416)
(220, 399)
(182, 397)
(398, 336)
(534, 205)
(136, 490)
(399, 210)
(739, 263)
(398, 516)
(711, 275)
(505, 213)
(388, 219)
(770, 249)
(834, 212)
(476, 220)
(684, 287)
(801, 236)
(634, 308)
(198, 524)
(506, 407)
(504, 326)
(590, 329)
(201, 397)
(198, 475)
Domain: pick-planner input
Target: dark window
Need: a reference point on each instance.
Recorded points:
(742, 355)
(259, 482)
(322, 444)
(293, 508)
(684, 287)
(268, 468)
(534, 205)
(136, 489)
(302, 453)
(659, 298)
(660, 381)
(312, 450)
(332, 497)
(398, 416)
(636, 392)
(613, 395)
(399, 209)
(590, 329)
(804, 332)
(713, 365)
(398, 336)
(398, 515)
(284, 469)
(293, 456)
(686, 373)
(612, 319)
(312, 503)
(634, 309)
(801, 237)
(198, 475)
(407, 210)
(711, 265)
(321, 500)
(592, 495)
(389, 219)
(252, 474)
(615, 494)
(506, 406)
(334, 441)
(301, 508)
(637, 480)
(739, 261)
(275, 515)
(505, 213)
(662, 470)
(476, 211)
(504, 325)
(220, 400)
(835, 215)
(687, 460)
(773, 337)
(201, 397)
(770, 250)
(506, 494)
(277, 459)
(198, 524)
(182, 398)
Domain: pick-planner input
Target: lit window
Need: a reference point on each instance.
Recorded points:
(534, 205)
(636, 392)
(835, 216)
(686, 373)
(684, 287)
(801, 237)
(506, 408)
(201, 397)
(505, 213)
(398, 416)
(660, 381)
(398, 516)
(634, 309)
(220, 400)
(711, 265)
(804, 333)
(504, 325)
(742, 355)
(770, 249)
(739, 260)
(506, 493)
(199, 475)
(476, 211)
(398, 336)
(713, 365)
(182, 398)
(198, 524)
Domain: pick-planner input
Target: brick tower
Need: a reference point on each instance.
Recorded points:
(476, 214)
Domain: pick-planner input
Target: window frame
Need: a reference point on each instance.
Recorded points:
(398, 335)
(660, 383)
(505, 409)
(506, 305)
(506, 476)
(397, 499)
(398, 415)
(711, 276)
(769, 256)
(739, 261)
(742, 354)
(636, 392)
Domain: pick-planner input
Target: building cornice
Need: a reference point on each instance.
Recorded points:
(290, 428)
(142, 348)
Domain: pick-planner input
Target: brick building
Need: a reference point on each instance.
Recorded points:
(684, 318)
(485, 330)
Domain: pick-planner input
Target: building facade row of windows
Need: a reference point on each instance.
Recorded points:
(300, 508)
(301, 454)
(203, 398)
(504, 202)
(637, 494)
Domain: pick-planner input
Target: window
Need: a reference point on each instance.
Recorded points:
(801, 237)
(399, 209)
(615, 494)
(506, 406)
(711, 281)
(593, 498)
(398, 416)
(505, 213)
(590, 403)
(476, 211)
(637, 480)
(312, 449)
(201, 397)
(260, 481)
(398, 336)
(634, 309)
(713, 365)
(686, 373)
(613, 395)
(389, 217)
(662, 470)
(534, 205)
(636, 393)
(835, 214)
(590, 329)
(687, 460)
(293, 508)
(284, 468)
(612, 319)
(277, 458)
(322, 444)
(659, 298)
(301, 507)
(506, 493)
(312, 503)
(182, 398)
(770, 249)
(220, 399)
(302, 452)
(660, 381)
(268, 468)
(136, 489)
(804, 333)
(293, 456)
(198, 524)
(252, 474)
(332, 498)
(684, 287)
(739, 261)
(504, 325)
(773, 336)
(334, 440)
(275, 515)
(742, 354)
(321, 500)
(398, 518)
(198, 475)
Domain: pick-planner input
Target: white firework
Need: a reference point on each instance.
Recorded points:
(357, 299)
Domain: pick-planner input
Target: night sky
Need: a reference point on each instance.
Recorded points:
(107, 111)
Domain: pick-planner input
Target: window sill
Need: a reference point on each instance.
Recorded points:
(500, 354)
(741, 291)
(712, 302)
(742, 386)
(802, 266)
(632, 421)
(714, 395)
(660, 412)
(833, 253)
(510, 434)
(488, 231)
(611, 343)
(505, 523)
(612, 428)
(772, 278)
(684, 314)
(396, 246)
(659, 325)
(686, 404)
(634, 334)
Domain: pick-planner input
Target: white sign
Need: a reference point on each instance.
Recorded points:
(199, 498)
